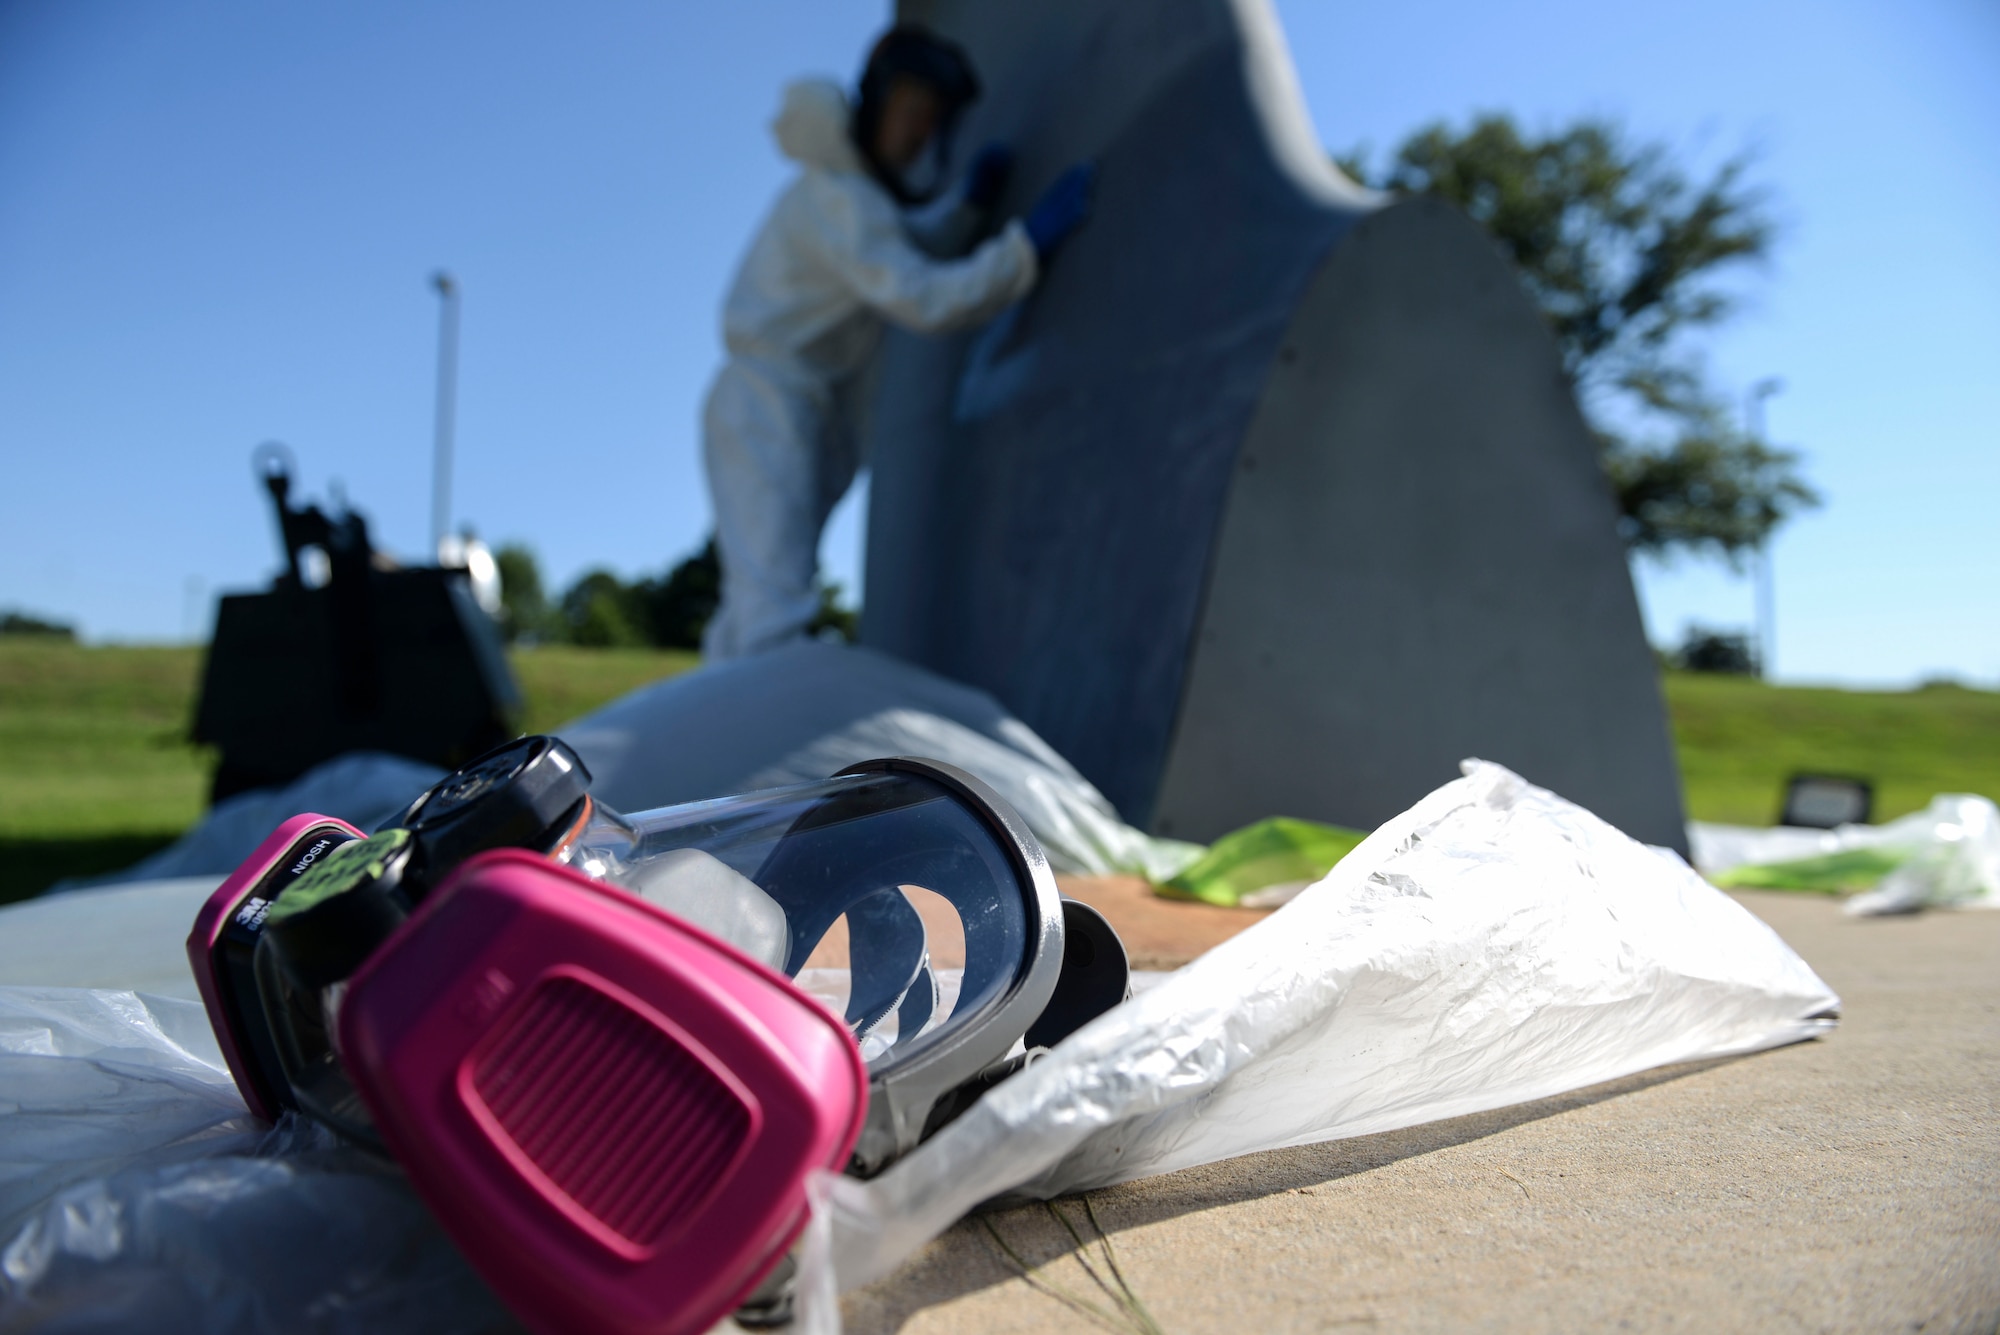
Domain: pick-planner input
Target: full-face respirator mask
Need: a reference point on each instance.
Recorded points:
(609, 1049)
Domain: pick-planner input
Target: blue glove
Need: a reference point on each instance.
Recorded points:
(1061, 209)
(987, 176)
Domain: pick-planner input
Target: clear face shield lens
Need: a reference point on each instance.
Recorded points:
(889, 896)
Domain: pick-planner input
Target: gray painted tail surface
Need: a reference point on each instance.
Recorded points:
(1417, 563)
(1270, 499)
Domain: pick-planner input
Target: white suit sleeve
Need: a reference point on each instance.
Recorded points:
(866, 246)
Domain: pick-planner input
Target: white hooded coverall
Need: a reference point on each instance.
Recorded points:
(831, 263)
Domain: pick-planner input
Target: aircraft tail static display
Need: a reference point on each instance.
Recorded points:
(1273, 499)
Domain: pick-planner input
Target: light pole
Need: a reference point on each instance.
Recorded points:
(447, 408)
(1767, 599)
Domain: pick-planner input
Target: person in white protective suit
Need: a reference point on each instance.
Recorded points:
(836, 258)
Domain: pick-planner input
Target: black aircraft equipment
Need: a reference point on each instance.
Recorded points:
(347, 651)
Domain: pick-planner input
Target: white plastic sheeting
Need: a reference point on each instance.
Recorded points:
(136, 1193)
(1073, 822)
(799, 713)
(362, 788)
(1951, 852)
(1493, 944)
(121, 937)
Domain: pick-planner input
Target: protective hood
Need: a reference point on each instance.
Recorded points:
(811, 126)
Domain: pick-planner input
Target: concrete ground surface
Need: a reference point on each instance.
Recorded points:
(1851, 1183)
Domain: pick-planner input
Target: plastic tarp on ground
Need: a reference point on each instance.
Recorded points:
(791, 716)
(362, 788)
(1945, 856)
(118, 937)
(1494, 944)
(801, 712)
(138, 1194)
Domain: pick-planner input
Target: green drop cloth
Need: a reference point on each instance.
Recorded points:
(1842, 873)
(1262, 862)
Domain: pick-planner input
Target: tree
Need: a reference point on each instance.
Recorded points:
(1705, 650)
(675, 610)
(524, 606)
(835, 618)
(21, 623)
(669, 611)
(1620, 250)
(597, 611)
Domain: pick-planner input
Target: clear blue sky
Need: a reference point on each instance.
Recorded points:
(217, 221)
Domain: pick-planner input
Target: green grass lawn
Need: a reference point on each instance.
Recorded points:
(1738, 740)
(559, 682)
(94, 771)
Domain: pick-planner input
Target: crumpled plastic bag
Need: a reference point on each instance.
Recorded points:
(1945, 856)
(1492, 945)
